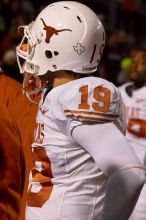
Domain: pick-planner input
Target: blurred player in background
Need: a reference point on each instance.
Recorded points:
(11, 166)
(10, 88)
(134, 96)
(24, 113)
(79, 172)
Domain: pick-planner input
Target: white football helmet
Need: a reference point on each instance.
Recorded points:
(66, 35)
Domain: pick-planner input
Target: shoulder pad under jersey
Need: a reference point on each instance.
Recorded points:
(90, 99)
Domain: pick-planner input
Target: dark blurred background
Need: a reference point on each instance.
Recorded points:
(124, 22)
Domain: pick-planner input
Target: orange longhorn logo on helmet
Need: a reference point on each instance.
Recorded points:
(50, 31)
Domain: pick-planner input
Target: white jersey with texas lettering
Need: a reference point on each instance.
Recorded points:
(135, 113)
(66, 183)
(135, 104)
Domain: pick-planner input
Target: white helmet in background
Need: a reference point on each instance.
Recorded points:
(66, 35)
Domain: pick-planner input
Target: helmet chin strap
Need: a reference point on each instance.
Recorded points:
(33, 92)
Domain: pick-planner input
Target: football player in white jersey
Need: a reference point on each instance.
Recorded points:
(80, 168)
(134, 96)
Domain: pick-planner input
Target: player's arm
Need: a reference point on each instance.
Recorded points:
(112, 153)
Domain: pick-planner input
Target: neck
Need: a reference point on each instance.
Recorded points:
(62, 77)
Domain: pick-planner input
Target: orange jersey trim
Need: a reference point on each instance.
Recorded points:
(89, 113)
(90, 118)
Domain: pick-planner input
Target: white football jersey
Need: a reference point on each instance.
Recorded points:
(136, 118)
(135, 113)
(66, 183)
(136, 134)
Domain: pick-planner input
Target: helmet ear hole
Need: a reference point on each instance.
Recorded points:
(48, 54)
(56, 53)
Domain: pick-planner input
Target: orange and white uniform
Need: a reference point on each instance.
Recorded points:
(67, 181)
(136, 118)
(136, 134)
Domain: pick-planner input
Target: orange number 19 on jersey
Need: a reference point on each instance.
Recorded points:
(100, 94)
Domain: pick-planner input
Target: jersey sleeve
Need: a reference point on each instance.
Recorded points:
(121, 120)
(91, 101)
